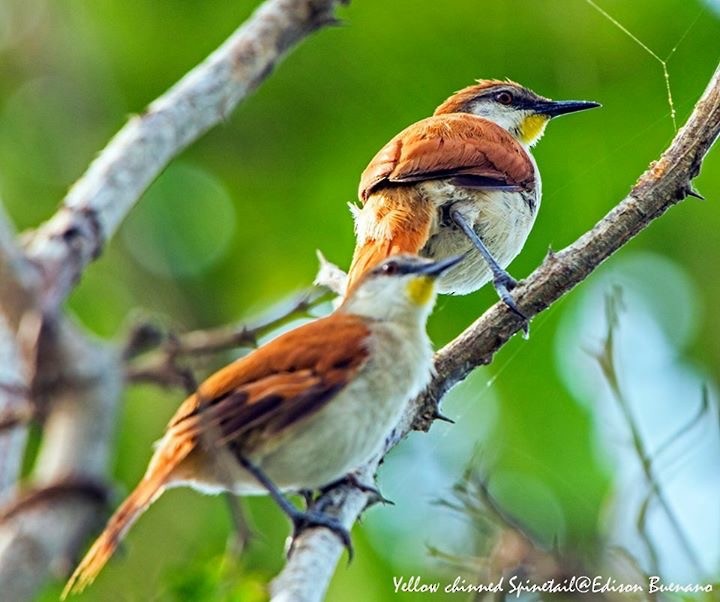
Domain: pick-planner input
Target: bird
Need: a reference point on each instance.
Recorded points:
(300, 412)
(461, 179)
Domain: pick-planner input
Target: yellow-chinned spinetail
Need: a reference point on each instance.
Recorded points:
(300, 412)
(459, 180)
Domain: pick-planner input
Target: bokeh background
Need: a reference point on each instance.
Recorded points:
(231, 227)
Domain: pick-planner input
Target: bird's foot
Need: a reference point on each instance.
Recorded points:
(504, 283)
(353, 480)
(311, 519)
(504, 280)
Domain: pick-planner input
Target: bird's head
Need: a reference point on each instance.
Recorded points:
(513, 107)
(401, 288)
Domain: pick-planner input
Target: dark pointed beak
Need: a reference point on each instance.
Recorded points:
(436, 268)
(554, 108)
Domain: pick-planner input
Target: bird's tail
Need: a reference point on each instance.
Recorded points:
(366, 257)
(128, 512)
(392, 221)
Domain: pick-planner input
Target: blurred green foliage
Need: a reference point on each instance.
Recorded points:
(232, 226)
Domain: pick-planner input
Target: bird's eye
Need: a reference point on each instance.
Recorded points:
(390, 268)
(504, 98)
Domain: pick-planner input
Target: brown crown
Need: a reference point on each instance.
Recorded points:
(460, 101)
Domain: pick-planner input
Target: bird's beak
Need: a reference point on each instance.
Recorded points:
(554, 108)
(436, 268)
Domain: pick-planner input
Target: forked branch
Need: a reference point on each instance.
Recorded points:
(40, 350)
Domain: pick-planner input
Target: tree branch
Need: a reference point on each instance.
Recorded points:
(665, 183)
(100, 199)
(159, 353)
(80, 379)
(42, 531)
(17, 278)
(15, 411)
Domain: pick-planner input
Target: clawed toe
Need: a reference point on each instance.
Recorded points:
(353, 480)
(504, 293)
(312, 519)
(506, 281)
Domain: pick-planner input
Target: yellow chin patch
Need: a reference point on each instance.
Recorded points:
(533, 128)
(420, 290)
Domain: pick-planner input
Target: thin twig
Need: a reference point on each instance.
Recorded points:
(686, 428)
(162, 366)
(606, 361)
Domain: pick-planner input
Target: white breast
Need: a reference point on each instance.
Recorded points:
(502, 220)
(352, 427)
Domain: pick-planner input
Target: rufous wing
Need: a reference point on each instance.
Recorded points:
(448, 146)
(276, 386)
(257, 396)
(467, 150)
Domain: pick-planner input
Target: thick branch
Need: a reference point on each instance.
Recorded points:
(42, 531)
(665, 183)
(82, 378)
(98, 202)
(17, 278)
(14, 411)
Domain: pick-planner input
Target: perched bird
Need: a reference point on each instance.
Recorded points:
(461, 179)
(300, 412)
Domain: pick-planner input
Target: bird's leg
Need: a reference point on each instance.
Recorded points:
(308, 496)
(243, 531)
(503, 281)
(300, 520)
